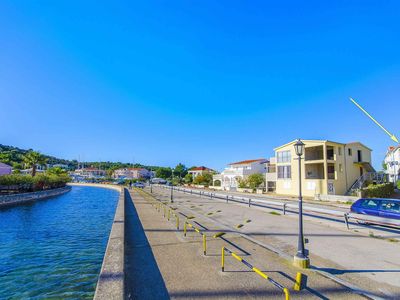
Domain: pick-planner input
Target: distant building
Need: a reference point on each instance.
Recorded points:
(196, 171)
(132, 173)
(270, 175)
(326, 168)
(89, 173)
(229, 178)
(5, 169)
(392, 161)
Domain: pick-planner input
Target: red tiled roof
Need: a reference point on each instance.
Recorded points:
(245, 162)
(133, 169)
(202, 168)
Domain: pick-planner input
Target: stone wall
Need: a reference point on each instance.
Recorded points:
(112, 275)
(15, 199)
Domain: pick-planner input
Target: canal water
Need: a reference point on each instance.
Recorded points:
(53, 249)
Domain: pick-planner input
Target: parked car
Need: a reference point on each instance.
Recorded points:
(384, 208)
(138, 185)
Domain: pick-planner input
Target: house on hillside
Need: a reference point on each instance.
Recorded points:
(5, 169)
(229, 178)
(326, 167)
(89, 173)
(392, 162)
(132, 173)
(196, 171)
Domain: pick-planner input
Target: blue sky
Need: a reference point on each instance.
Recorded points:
(198, 82)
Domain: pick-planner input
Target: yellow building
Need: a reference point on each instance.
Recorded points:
(326, 167)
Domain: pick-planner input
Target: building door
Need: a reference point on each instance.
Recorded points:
(361, 171)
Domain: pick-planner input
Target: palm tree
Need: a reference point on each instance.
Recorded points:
(32, 159)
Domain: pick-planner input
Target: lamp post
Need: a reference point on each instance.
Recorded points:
(172, 186)
(300, 259)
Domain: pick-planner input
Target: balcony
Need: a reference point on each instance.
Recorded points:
(314, 153)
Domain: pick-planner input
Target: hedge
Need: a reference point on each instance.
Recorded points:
(27, 183)
(384, 190)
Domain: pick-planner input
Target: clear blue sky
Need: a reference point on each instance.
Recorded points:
(198, 82)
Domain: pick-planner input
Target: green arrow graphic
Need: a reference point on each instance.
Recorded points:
(392, 136)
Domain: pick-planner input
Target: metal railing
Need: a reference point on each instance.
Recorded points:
(251, 267)
(204, 237)
(285, 206)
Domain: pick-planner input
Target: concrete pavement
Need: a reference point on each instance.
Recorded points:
(370, 263)
(162, 263)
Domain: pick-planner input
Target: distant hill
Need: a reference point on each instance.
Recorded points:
(13, 156)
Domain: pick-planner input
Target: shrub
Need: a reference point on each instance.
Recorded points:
(27, 183)
(384, 190)
(398, 184)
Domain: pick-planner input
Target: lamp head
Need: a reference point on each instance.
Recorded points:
(299, 147)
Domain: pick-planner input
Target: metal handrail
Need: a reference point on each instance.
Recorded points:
(251, 267)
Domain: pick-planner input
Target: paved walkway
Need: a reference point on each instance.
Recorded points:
(370, 263)
(162, 263)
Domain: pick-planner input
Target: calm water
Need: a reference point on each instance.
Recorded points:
(54, 248)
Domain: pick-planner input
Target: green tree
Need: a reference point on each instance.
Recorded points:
(204, 179)
(188, 178)
(32, 159)
(255, 180)
(5, 158)
(180, 170)
(164, 173)
(384, 166)
(242, 183)
(56, 171)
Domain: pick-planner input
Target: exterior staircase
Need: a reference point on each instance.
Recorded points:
(371, 177)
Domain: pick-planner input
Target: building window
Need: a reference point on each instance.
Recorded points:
(340, 168)
(350, 152)
(340, 150)
(284, 172)
(283, 156)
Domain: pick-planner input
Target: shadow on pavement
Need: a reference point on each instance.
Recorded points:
(143, 279)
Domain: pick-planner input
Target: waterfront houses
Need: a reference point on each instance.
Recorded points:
(230, 177)
(5, 169)
(132, 173)
(89, 173)
(196, 171)
(326, 167)
(392, 162)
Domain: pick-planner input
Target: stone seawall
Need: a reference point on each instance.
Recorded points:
(111, 283)
(16, 199)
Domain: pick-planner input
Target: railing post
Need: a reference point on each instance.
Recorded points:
(227, 198)
(204, 244)
(284, 208)
(249, 202)
(184, 229)
(177, 222)
(223, 259)
(287, 295)
(346, 220)
(169, 213)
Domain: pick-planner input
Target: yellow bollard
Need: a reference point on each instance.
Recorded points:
(184, 228)
(164, 210)
(287, 295)
(169, 213)
(223, 259)
(298, 282)
(204, 244)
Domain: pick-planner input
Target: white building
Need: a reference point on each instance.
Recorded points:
(132, 173)
(196, 171)
(229, 178)
(392, 161)
(89, 173)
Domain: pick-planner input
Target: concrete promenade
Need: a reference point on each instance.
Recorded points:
(370, 263)
(161, 263)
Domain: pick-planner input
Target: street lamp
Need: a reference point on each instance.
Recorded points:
(300, 259)
(172, 186)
